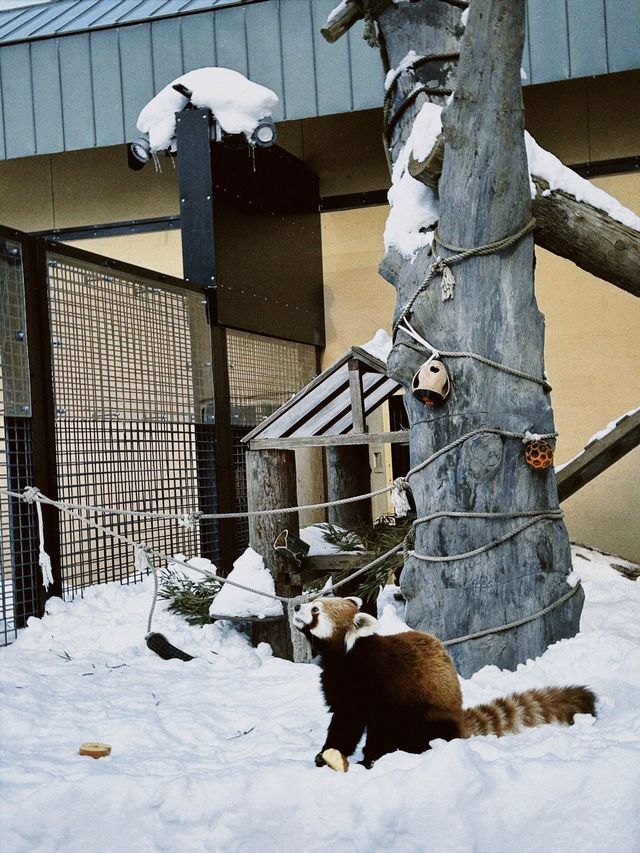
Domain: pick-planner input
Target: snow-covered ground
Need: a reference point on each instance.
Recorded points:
(217, 754)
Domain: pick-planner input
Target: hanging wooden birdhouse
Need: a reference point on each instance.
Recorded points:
(538, 454)
(431, 384)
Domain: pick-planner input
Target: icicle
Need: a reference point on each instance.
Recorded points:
(399, 497)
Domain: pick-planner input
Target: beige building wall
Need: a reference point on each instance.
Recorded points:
(588, 321)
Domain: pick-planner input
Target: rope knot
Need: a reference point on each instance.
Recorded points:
(188, 520)
(399, 497)
(528, 437)
(30, 494)
(447, 279)
(142, 558)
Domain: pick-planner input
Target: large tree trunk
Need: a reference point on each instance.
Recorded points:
(484, 196)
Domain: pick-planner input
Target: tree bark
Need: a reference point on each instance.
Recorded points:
(349, 473)
(567, 227)
(271, 483)
(484, 196)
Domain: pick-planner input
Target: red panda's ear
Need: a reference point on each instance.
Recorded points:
(357, 601)
(364, 623)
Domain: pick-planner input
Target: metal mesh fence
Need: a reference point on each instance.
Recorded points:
(18, 546)
(133, 387)
(263, 374)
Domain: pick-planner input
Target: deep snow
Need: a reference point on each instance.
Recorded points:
(217, 754)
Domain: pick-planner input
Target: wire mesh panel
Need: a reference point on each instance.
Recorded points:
(263, 374)
(132, 380)
(18, 547)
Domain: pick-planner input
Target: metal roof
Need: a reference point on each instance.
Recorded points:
(324, 406)
(75, 74)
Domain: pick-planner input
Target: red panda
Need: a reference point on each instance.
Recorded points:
(403, 689)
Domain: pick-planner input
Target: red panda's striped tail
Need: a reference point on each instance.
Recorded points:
(530, 708)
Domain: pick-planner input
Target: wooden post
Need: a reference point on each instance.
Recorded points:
(271, 483)
(348, 474)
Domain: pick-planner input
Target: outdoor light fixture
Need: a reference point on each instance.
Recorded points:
(265, 133)
(139, 153)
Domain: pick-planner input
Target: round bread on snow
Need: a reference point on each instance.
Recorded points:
(94, 749)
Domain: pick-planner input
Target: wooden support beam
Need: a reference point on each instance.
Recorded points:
(599, 455)
(572, 229)
(345, 15)
(400, 437)
(356, 395)
(348, 474)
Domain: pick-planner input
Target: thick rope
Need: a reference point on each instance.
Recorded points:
(408, 329)
(441, 266)
(555, 515)
(517, 622)
(32, 495)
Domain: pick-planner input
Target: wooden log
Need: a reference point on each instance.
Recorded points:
(572, 229)
(271, 483)
(344, 17)
(599, 455)
(484, 195)
(349, 474)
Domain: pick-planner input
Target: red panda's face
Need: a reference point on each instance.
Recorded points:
(336, 621)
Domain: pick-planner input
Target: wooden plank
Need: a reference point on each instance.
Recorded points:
(599, 455)
(386, 389)
(297, 397)
(401, 437)
(335, 409)
(326, 563)
(308, 405)
(355, 396)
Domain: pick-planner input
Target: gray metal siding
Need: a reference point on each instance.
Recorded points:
(87, 89)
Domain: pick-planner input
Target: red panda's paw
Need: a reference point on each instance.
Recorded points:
(320, 762)
(367, 763)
